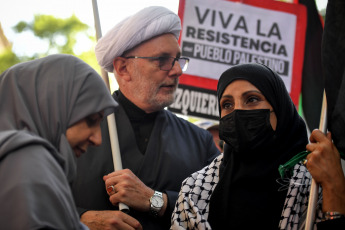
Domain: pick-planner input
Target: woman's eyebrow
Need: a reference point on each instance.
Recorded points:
(251, 91)
(227, 96)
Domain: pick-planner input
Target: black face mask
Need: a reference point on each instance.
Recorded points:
(246, 130)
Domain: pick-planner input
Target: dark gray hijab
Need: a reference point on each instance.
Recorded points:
(40, 99)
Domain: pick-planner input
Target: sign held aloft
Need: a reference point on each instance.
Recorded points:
(219, 34)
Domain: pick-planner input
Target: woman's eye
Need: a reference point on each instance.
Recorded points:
(252, 99)
(226, 105)
(93, 120)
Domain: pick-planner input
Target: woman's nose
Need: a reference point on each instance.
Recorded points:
(96, 136)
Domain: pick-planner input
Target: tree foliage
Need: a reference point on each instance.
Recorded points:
(61, 35)
(7, 59)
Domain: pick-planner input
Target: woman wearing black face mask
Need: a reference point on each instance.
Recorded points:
(241, 189)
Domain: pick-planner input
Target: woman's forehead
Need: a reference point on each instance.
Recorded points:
(240, 86)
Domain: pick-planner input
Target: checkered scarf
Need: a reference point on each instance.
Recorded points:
(192, 207)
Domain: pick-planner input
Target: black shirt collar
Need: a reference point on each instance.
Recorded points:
(133, 112)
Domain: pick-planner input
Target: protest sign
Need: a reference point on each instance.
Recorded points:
(219, 34)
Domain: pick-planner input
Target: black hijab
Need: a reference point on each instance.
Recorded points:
(248, 195)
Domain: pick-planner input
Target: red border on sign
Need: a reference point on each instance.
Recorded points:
(297, 9)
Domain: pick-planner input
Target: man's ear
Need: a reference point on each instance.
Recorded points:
(121, 67)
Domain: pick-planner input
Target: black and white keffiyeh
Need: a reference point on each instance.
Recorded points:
(192, 206)
(296, 203)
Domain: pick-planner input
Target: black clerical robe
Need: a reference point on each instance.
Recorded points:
(176, 149)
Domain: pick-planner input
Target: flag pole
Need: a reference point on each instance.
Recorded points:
(114, 140)
(314, 189)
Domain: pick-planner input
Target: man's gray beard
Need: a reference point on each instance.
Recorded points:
(160, 106)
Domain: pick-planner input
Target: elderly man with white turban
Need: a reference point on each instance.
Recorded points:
(158, 149)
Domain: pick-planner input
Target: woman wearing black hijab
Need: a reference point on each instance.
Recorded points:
(241, 188)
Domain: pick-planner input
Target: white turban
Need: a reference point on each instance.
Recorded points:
(144, 25)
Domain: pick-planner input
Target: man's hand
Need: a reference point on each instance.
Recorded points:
(130, 190)
(324, 165)
(106, 220)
